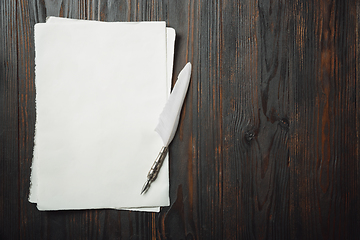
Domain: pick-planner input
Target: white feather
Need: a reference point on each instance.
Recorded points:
(169, 118)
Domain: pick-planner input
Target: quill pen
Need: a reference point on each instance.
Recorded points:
(168, 121)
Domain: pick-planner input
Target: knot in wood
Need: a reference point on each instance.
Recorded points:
(284, 124)
(249, 135)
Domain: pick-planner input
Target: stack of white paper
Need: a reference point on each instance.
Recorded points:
(100, 88)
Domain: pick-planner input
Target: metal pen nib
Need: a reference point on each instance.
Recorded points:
(155, 168)
(145, 187)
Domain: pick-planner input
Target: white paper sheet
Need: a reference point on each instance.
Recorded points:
(96, 112)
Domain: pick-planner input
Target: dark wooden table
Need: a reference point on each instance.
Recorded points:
(268, 142)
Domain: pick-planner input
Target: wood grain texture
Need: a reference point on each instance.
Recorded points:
(268, 141)
(324, 156)
(256, 120)
(9, 129)
(356, 215)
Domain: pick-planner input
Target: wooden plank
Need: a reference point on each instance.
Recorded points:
(208, 137)
(345, 136)
(9, 155)
(181, 219)
(256, 119)
(29, 215)
(239, 57)
(356, 218)
(324, 156)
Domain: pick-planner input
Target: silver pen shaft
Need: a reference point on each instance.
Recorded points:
(155, 169)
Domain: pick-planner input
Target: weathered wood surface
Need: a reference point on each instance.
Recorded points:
(268, 143)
